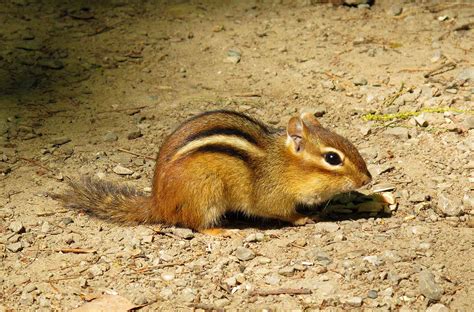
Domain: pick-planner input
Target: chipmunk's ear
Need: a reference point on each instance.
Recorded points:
(297, 134)
(310, 119)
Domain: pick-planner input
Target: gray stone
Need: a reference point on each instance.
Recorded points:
(17, 227)
(183, 233)
(359, 81)
(449, 207)
(255, 237)
(374, 260)
(438, 307)
(110, 137)
(29, 288)
(45, 227)
(27, 299)
(466, 74)
(233, 56)
(96, 270)
(319, 256)
(272, 279)
(120, 170)
(134, 135)
(60, 141)
(244, 254)
(395, 10)
(287, 271)
(372, 294)
(428, 286)
(51, 64)
(398, 132)
(15, 247)
(421, 121)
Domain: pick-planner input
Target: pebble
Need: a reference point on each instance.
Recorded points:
(287, 271)
(374, 260)
(29, 288)
(188, 295)
(51, 64)
(272, 279)
(67, 221)
(398, 132)
(354, 301)
(183, 233)
(466, 74)
(438, 307)
(428, 286)
(27, 299)
(60, 141)
(420, 121)
(417, 198)
(448, 207)
(17, 227)
(395, 10)
(372, 294)
(321, 257)
(15, 247)
(328, 227)
(468, 122)
(255, 237)
(328, 84)
(244, 254)
(359, 81)
(167, 276)
(134, 135)
(233, 56)
(120, 170)
(110, 137)
(45, 227)
(96, 270)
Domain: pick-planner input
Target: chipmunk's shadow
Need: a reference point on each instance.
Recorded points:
(324, 213)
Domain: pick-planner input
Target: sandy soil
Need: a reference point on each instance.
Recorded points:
(82, 84)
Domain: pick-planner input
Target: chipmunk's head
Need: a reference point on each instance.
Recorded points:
(322, 163)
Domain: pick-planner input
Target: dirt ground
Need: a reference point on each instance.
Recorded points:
(92, 88)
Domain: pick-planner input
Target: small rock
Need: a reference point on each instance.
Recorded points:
(466, 74)
(221, 303)
(398, 132)
(244, 254)
(188, 295)
(436, 56)
(328, 227)
(438, 307)
(96, 270)
(44, 302)
(120, 170)
(60, 141)
(147, 239)
(67, 221)
(287, 271)
(321, 257)
(110, 137)
(372, 294)
(233, 56)
(15, 247)
(359, 81)
(328, 84)
(231, 281)
(45, 227)
(468, 122)
(272, 279)
(51, 64)
(166, 293)
(134, 135)
(354, 301)
(16, 227)
(27, 299)
(167, 276)
(183, 233)
(428, 286)
(255, 237)
(452, 90)
(420, 121)
(395, 10)
(417, 198)
(374, 260)
(448, 207)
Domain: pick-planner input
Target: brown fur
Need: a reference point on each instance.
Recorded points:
(225, 161)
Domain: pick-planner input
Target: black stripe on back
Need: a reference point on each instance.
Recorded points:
(222, 131)
(234, 113)
(224, 149)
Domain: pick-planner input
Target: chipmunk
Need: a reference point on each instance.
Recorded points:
(223, 161)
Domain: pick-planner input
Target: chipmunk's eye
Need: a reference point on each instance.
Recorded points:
(333, 159)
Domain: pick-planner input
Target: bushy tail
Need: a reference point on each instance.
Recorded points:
(109, 201)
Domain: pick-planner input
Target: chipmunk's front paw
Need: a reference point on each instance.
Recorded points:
(303, 221)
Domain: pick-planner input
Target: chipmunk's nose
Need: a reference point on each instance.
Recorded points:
(366, 179)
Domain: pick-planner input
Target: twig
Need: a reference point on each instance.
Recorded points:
(440, 69)
(158, 266)
(250, 94)
(31, 161)
(206, 307)
(441, 7)
(122, 109)
(136, 154)
(76, 250)
(281, 291)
